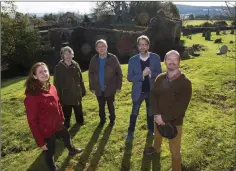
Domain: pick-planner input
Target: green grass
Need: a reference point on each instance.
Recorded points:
(208, 142)
(199, 22)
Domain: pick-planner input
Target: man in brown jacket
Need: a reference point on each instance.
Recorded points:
(105, 79)
(169, 100)
(70, 86)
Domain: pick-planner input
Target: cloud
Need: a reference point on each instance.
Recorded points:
(54, 7)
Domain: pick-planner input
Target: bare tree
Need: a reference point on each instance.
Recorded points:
(230, 10)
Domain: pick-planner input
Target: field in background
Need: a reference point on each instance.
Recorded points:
(199, 22)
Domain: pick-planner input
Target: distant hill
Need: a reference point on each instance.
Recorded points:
(185, 9)
(200, 10)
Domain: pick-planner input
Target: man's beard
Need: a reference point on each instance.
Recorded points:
(143, 51)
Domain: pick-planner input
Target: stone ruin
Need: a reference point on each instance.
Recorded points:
(163, 31)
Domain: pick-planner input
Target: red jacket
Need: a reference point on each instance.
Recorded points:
(44, 114)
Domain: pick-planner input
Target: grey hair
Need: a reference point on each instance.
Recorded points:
(172, 52)
(101, 41)
(68, 49)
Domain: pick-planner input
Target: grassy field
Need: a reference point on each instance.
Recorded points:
(199, 22)
(208, 142)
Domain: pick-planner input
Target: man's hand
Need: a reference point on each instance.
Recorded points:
(158, 120)
(44, 148)
(146, 71)
(149, 70)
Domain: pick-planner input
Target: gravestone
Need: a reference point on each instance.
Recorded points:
(203, 34)
(208, 35)
(218, 40)
(223, 50)
(218, 31)
(224, 31)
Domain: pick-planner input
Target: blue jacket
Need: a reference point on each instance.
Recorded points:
(135, 74)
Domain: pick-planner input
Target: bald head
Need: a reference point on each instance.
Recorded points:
(172, 53)
(172, 60)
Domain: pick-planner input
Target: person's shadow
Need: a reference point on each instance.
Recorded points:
(87, 151)
(152, 160)
(98, 154)
(39, 163)
(125, 166)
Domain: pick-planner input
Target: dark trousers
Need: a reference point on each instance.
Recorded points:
(135, 112)
(51, 145)
(102, 100)
(67, 110)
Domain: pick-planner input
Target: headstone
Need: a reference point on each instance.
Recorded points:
(224, 31)
(223, 50)
(231, 42)
(203, 34)
(218, 31)
(218, 40)
(189, 37)
(208, 35)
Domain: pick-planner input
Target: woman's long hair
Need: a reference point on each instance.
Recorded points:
(33, 85)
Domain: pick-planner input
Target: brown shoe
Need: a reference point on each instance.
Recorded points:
(150, 150)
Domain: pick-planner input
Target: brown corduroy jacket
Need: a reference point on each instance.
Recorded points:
(112, 75)
(170, 99)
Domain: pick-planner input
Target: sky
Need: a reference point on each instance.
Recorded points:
(82, 7)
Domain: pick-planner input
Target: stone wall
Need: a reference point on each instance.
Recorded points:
(121, 43)
(164, 34)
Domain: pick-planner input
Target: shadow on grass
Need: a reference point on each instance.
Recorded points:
(125, 166)
(39, 163)
(152, 160)
(7, 82)
(88, 149)
(100, 150)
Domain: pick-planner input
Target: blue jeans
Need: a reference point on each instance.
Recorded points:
(135, 112)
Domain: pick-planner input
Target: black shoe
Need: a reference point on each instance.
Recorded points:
(80, 123)
(75, 151)
(150, 150)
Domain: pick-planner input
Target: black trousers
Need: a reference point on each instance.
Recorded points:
(102, 100)
(78, 110)
(51, 145)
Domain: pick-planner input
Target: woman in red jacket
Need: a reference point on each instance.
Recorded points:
(44, 114)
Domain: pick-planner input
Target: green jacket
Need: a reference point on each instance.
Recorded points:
(170, 99)
(69, 83)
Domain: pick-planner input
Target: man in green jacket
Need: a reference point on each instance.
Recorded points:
(169, 100)
(70, 86)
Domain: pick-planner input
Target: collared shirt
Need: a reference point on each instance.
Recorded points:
(144, 58)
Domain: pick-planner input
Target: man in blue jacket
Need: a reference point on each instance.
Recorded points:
(142, 71)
